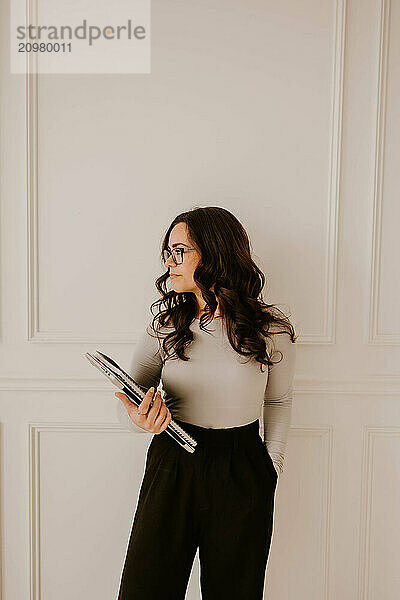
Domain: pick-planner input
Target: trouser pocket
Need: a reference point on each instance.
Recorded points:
(268, 460)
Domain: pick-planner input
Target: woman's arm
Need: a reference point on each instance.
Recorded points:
(145, 368)
(278, 395)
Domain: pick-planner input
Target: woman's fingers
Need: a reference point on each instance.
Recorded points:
(160, 417)
(146, 402)
(155, 409)
(165, 422)
(154, 415)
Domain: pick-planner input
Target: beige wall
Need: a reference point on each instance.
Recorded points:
(287, 115)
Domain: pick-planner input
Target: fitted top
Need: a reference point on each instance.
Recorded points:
(218, 387)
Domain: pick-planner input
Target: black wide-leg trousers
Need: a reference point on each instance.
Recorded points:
(219, 499)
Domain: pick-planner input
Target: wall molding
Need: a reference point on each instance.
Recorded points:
(371, 386)
(374, 335)
(34, 431)
(325, 435)
(327, 336)
(367, 496)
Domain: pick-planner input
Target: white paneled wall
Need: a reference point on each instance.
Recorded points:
(287, 115)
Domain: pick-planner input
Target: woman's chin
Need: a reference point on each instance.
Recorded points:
(178, 286)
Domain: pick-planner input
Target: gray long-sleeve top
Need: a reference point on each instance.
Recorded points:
(217, 387)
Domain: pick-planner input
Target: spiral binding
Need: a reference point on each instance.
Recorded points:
(141, 393)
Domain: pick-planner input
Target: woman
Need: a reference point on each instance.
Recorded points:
(220, 498)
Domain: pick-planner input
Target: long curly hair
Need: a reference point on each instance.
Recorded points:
(226, 264)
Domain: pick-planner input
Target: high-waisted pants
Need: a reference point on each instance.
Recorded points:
(219, 499)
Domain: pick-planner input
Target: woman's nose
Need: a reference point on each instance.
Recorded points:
(170, 262)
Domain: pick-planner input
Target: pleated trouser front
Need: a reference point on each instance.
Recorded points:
(219, 499)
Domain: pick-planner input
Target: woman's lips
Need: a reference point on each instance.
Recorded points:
(174, 275)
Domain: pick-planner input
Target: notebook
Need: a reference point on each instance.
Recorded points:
(136, 393)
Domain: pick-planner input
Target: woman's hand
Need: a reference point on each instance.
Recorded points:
(154, 420)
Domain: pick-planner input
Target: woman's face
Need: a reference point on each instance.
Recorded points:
(182, 274)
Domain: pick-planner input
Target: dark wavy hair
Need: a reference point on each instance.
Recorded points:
(227, 264)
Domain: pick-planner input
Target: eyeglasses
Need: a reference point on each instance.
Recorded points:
(177, 254)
